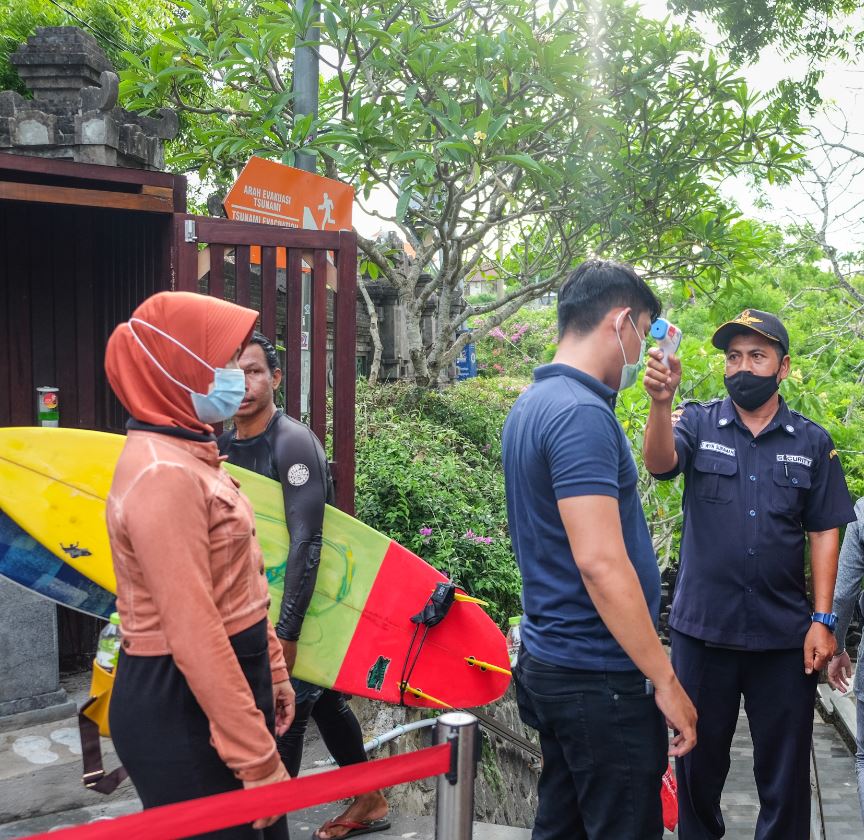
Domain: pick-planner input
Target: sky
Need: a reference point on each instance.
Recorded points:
(842, 90)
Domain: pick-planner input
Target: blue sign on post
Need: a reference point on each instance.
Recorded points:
(467, 362)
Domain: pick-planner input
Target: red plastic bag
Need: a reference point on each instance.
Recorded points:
(669, 798)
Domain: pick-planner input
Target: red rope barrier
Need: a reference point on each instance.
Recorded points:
(223, 810)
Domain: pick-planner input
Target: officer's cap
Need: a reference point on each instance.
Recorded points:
(752, 320)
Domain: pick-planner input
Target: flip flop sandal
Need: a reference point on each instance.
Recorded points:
(355, 828)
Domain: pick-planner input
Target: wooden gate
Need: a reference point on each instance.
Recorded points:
(237, 261)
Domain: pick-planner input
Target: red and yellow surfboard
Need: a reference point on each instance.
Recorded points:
(357, 636)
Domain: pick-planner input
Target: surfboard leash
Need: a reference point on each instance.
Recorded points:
(406, 669)
(434, 611)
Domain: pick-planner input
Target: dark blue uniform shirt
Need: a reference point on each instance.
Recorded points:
(748, 503)
(560, 440)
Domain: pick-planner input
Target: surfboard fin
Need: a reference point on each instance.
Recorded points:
(487, 666)
(420, 695)
(468, 599)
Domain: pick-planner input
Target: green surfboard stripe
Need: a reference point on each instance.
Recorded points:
(351, 557)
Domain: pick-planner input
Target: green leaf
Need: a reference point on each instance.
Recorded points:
(245, 50)
(483, 90)
(496, 125)
(523, 160)
(402, 205)
(457, 146)
(195, 43)
(402, 157)
(331, 25)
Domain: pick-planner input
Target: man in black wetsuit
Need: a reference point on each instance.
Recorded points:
(270, 443)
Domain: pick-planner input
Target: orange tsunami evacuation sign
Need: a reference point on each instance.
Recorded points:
(272, 193)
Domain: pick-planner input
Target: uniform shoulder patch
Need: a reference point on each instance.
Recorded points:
(703, 403)
(682, 407)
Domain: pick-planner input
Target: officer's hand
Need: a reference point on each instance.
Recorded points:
(840, 672)
(680, 715)
(661, 382)
(819, 647)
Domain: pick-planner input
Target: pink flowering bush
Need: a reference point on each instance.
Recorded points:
(520, 344)
(476, 538)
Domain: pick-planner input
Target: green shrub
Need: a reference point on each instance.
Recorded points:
(429, 475)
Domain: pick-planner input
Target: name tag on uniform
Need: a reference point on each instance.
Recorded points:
(711, 446)
(795, 459)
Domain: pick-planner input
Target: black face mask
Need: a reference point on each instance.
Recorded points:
(750, 391)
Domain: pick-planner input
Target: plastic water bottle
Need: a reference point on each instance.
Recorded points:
(514, 640)
(108, 648)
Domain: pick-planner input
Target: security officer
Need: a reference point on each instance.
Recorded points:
(758, 479)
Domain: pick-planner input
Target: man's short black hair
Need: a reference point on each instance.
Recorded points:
(597, 286)
(267, 347)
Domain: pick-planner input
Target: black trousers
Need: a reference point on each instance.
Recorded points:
(604, 746)
(778, 699)
(337, 724)
(162, 735)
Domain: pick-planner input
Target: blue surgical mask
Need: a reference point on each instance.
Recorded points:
(630, 371)
(229, 387)
(226, 394)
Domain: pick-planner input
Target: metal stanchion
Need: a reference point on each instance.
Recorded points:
(454, 810)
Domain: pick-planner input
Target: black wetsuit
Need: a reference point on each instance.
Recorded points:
(288, 452)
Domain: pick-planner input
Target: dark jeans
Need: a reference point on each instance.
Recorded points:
(162, 735)
(337, 724)
(604, 745)
(778, 700)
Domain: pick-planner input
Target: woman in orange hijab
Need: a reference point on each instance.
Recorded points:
(201, 684)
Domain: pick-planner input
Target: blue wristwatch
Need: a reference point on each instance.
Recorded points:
(828, 619)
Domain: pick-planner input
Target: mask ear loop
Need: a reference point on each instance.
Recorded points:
(618, 334)
(170, 338)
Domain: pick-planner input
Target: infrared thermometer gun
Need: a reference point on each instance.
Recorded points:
(668, 338)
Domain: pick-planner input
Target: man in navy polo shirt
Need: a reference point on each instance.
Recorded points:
(758, 479)
(592, 676)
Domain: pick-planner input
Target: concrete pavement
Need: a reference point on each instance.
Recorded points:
(40, 784)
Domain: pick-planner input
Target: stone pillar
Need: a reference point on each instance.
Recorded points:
(74, 113)
(30, 689)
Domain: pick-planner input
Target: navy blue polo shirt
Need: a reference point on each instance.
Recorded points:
(562, 439)
(748, 503)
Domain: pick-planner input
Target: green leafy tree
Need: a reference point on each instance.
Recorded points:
(817, 29)
(504, 135)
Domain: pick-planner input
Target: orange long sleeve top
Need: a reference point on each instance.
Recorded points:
(190, 573)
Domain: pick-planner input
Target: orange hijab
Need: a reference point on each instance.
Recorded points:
(212, 329)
